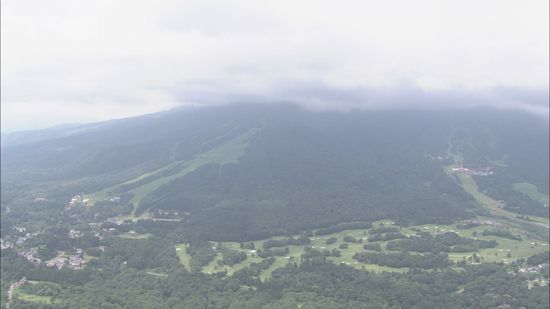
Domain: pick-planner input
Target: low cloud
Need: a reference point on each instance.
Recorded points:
(67, 61)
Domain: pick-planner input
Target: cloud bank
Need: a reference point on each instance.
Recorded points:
(81, 61)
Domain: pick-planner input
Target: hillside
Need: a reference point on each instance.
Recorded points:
(246, 172)
(272, 206)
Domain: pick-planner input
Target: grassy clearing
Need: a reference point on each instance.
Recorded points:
(380, 269)
(185, 259)
(135, 236)
(31, 298)
(228, 152)
(156, 274)
(532, 191)
(20, 293)
(87, 258)
(279, 262)
(529, 245)
(105, 193)
(507, 250)
(214, 266)
(470, 186)
(538, 226)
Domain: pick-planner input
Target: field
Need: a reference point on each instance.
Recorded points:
(531, 191)
(22, 293)
(183, 256)
(134, 236)
(506, 251)
(33, 298)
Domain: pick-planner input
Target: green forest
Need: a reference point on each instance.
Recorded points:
(249, 206)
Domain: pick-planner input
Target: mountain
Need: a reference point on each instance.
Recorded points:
(31, 136)
(243, 172)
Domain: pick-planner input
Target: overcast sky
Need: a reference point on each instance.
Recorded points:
(82, 61)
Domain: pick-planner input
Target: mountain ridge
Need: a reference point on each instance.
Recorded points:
(300, 169)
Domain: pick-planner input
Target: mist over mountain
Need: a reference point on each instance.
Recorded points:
(275, 154)
(246, 171)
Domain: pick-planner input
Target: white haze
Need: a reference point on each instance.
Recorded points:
(83, 61)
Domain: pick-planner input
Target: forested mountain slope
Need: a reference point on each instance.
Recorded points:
(242, 172)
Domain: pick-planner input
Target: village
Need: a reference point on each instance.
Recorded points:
(72, 260)
(534, 274)
(78, 200)
(76, 257)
